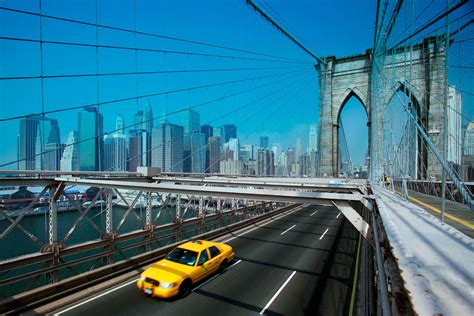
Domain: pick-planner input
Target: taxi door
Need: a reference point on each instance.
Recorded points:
(203, 266)
(215, 261)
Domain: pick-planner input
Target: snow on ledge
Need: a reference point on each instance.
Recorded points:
(435, 259)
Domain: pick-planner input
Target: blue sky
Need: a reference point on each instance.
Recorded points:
(283, 108)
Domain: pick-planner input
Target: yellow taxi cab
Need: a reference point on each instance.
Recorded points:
(185, 265)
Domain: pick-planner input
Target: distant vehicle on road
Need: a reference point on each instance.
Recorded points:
(185, 265)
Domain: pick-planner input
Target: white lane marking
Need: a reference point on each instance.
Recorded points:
(324, 234)
(128, 283)
(277, 293)
(313, 213)
(248, 231)
(202, 284)
(234, 264)
(338, 215)
(95, 297)
(287, 229)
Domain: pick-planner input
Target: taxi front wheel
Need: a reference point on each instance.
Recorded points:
(184, 288)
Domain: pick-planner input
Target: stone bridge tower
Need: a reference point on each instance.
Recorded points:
(418, 71)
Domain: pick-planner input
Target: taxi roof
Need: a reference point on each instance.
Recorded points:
(196, 245)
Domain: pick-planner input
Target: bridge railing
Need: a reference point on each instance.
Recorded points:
(434, 188)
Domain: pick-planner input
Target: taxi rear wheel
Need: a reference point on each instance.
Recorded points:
(223, 266)
(184, 288)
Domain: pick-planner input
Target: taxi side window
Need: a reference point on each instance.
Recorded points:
(203, 258)
(214, 251)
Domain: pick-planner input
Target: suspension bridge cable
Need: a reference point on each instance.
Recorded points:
(146, 96)
(145, 73)
(156, 118)
(153, 50)
(282, 30)
(148, 34)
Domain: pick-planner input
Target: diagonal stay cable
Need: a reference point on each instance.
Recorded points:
(146, 33)
(145, 96)
(162, 116)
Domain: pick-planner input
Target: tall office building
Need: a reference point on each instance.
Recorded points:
(454, 119)
(139, 153)
(119, 125)
(298, 151)
(91, 146)
(276, 148)
(305, 164)
(69, 160)
(27, 142)
(115, 152)
(313, 139)
(234, 146)
(219, 132)
(167, 147)
(138, 119)
(190, 122)
(214, 154)
(246, 153)
(469, 140)
(198, 152)
(231, 167)
(229, 131)
(290, 159)
(47, 134)
(208, 131)
(148, 118)
(264, 142)
(52, 156)
(265, 162)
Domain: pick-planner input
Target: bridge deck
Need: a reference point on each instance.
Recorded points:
(435, 259)
(457, 215)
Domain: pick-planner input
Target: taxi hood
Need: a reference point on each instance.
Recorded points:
(168, 271)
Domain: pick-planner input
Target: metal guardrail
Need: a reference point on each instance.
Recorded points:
(56, 289)
(434, 188)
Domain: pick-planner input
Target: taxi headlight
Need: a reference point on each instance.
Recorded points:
(142, 278)
(167, 285)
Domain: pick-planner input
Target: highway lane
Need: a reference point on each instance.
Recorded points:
(301, 263)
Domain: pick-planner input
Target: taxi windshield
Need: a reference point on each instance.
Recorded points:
(183, 256)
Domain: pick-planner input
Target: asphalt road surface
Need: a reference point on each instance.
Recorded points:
(302, 263)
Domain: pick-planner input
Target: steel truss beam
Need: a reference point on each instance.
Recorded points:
(228, 192)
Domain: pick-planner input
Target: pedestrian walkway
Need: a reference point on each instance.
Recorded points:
(457, 215)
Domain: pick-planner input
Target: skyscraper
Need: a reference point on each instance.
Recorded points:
(298, 151)
(52, 156)
(469, 140)
(27, 142)
(454, 119)
(229, 131)
(139, 154)
(148, 118)
(265, 162)
(115, 152)
(313, 140)
(234, 145)
(47, 134)
(119, 125)
(69, 160)
(208, 131)
(198, 152)
(167, 147)
(138, 119)
(264, 142)
(190, 122)
(214, 154)
(91, 146)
